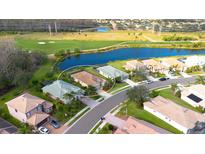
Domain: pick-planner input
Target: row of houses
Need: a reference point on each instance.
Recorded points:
(164, 64)
(36, 111)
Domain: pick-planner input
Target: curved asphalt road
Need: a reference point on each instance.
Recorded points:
(90, 119)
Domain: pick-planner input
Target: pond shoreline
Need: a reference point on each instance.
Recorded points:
(124, 53)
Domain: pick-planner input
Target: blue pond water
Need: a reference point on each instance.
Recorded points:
(102, 29)
(123, 54)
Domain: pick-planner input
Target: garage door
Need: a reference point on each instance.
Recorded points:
(42, 122)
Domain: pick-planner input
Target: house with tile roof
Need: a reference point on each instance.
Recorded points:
(179, 117)
(59, 88)
(154, 65)
(134, 65)
(87, 79)
(173, 62)
(136, 126)
(30, 109)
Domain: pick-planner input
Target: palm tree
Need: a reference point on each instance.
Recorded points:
(68, 96)
(200, 79)
(174, 87)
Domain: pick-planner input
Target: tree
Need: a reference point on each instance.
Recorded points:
(154, 94)
(200, 79)
(139, 75)
(77, 50)
(107, 85)
(91, 90)
(138, 94)
(118, 79)
(16, 66)
(25, 129)
(174, 87)
(68, 96)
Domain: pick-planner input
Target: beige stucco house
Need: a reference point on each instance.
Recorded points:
(87, 79)
(30, 109)
(133, 65)
(154, 66)
(174, 63)
(179, 117)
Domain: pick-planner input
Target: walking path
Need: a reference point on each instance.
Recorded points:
(104, 94)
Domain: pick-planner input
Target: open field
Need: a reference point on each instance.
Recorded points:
(109, 36)
(50, 48)
(95, 40)
(119, 35)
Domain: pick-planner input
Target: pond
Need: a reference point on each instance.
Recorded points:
(124, 54)
(102, 29)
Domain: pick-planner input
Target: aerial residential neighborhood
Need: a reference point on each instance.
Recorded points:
(102, 77)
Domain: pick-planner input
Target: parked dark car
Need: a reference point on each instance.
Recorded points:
(102, 118)
(55, 123)
(149, 81)
(163, 79)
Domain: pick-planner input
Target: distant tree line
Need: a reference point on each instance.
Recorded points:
(42, 25)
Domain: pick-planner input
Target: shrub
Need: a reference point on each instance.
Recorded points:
(154, 93)
(178, 93)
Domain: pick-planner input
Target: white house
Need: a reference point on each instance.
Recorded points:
(194, 95)
(179, 117)
(173, 62)
(112, 73)
(194, 61)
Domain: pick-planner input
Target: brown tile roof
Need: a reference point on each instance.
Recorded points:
(153, 63)
(37, 118)
(135, 126)
(88, 78)
(25, 102)
(175, 112)
(132, 64)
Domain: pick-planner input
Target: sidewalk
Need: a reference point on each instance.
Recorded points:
(79, 113)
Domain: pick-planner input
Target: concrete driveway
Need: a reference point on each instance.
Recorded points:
(115, 121)
(54, 130)
(88, 101)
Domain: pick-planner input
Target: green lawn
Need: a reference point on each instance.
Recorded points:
(50, 48)
(118, 64)
(118, 86)
(135, 111)
(167, 93)
(105, 130)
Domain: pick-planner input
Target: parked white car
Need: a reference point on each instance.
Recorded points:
(43, 130)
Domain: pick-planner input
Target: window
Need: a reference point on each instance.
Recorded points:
(28, 114)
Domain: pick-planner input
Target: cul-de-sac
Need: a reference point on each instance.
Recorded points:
(102, 76)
